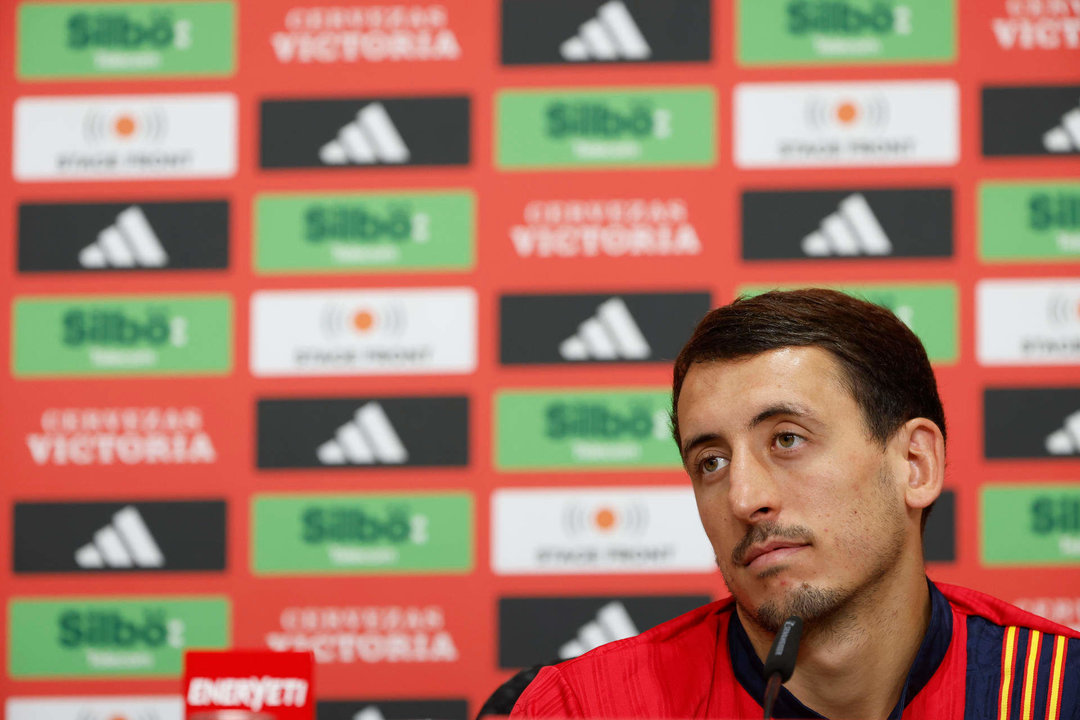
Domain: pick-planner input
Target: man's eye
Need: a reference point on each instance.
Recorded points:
(788, 440)
(712, 464)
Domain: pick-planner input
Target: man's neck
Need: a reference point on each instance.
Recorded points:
(855, 665)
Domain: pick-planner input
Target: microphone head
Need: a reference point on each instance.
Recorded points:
(784, 650)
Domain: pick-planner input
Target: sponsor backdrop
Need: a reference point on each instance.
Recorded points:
(347, 327)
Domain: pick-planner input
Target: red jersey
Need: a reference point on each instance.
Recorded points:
(981, 659)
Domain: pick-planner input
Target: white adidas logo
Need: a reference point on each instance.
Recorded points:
(366, 439)
(611, 334)
(851, 230)
(123, 543)
(130, 242)
(611, 35)
(371, 712)
(612, 623)
(370, 138)
(1066, 136)
(1065, 441)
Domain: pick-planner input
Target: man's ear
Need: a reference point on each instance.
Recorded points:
(923, 447)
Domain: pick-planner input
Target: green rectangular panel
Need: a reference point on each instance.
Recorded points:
(112, 637)
(606, 128)
(929, 309)
(126, 39)
(366, 232)
(362, 534)
(1037, 221)
(584, 430)
(1030, 524)
(122, 335)
(788, 32)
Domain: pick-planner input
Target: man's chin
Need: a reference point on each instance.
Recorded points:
(806, 601)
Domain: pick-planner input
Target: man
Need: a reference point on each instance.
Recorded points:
(811, 428)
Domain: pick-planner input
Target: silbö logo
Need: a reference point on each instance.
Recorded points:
(88, 39)
(881, 18)
(112, 629)
(597, 130)
(1058, 213)
(584, 430)
(117, 637)
(1022, 525)
(635, 127)
(362, 533)
(1058, 517)
(841, 29)
(117, 30)
(112, 640)
(116, 327)
(359, 536)
(596, 432)
(117, 338)
(355, 232)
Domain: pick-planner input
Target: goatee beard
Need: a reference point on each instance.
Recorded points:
(812, 604)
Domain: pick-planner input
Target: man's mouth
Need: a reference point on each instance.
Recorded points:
(774, 549)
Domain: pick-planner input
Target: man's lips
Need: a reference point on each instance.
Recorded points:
(772, 549)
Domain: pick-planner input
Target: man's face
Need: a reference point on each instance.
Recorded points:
(799, 501)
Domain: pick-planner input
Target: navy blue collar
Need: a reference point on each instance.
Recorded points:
(748, 668)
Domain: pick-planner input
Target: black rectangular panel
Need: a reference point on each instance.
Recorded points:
(543, 32)
(939, 540)
(392, 709)
(835, 224)
(315, 133)
(1030, 120)
(120, 536)
(126, 236)
(620, 327)
(356, 433)
(1031, 422)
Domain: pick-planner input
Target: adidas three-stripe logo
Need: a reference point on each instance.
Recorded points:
(851, 230)
(612, 623)
(130, 242)
(123, 543)
(611, 334)
(611, 35)
(371, 138)
(1066, 136)
(367, 439)
(371, 712)
(1065, 441)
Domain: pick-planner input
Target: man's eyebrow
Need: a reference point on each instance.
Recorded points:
(697, 440)
(778, 409)
(792, 409)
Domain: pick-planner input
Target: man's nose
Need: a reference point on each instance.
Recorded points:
(753, 491)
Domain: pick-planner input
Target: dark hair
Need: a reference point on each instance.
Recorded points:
(882, 363)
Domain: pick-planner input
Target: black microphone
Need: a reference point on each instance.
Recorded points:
(780, 662)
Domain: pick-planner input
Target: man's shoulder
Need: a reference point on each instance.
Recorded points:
(994, 611)
(696, 627)
(671, 653)
(1016, 662)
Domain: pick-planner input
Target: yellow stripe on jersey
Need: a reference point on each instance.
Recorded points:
(1008, 661)
(1057, 675)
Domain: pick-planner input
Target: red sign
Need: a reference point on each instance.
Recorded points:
(248, 685)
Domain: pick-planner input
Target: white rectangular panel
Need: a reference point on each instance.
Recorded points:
(377, 332)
